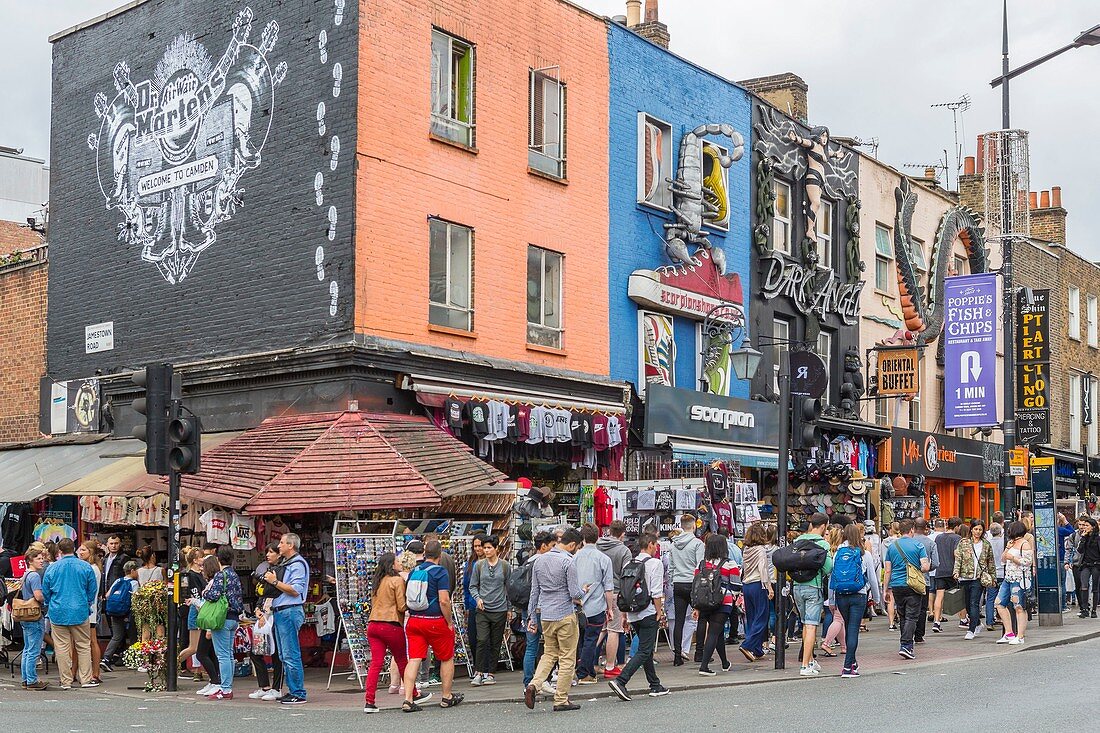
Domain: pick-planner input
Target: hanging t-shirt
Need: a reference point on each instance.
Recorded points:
(478, 412)
(535, 425)
(601, 439)
(523, 422)
(666, 500)
(53, 532)
(274, 530)
(614, 431)
(563, 419)
(452, 413)
(581, 429)
(686, 499)
(723, 512)
(549, 426)
(647, 500)
(512, 433)
(604, 513)
(242, 532)
(498, 420)
(216, 524)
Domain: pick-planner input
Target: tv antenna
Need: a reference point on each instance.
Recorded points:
(957, 107)
(940, 165)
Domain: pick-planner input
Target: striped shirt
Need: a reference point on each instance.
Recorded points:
(554, 586)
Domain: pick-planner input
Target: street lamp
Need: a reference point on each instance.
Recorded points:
(1091, 37)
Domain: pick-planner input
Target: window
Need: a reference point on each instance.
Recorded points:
(544, 297)
(1090, 313)
(914, 414)
(917, 254)
(654, 161)
(781, 333)
(1075, 314)
(825, 349)
(825, 234)
(882, 419)
(960, 265)
(1092, 411)
(884, 255)
(1075, 412)
(716, 185)
(450, 266)
(781, 218)
(658, 347)
(452, 88)
(546, 141)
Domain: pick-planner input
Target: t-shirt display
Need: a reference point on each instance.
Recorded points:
(242, 532)
(216, 525)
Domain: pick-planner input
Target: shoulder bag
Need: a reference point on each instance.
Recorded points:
(28, 611)
(211, 616)
(914, 578)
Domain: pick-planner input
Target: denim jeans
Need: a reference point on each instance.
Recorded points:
(287, 622)
(973, 590)
(223, 647)
(33, 631)
(645, 632)
(990, 597)
(590, 652)
(851, 607)
(531, 656)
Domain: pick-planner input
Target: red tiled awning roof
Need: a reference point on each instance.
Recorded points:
(338, 461)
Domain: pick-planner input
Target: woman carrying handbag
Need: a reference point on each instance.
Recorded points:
(29, 609)
(219, 617)
(975, 570)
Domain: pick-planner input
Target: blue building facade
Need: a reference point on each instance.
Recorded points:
(679, 250)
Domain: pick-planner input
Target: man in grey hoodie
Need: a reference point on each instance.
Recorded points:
(612, 546)
(687, 554)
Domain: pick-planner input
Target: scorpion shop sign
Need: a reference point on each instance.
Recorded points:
(171, 150)
(812, 290)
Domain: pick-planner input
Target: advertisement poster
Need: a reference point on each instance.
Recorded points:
(970, 351)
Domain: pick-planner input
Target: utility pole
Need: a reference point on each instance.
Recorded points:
(1008, 482)
(782, 489)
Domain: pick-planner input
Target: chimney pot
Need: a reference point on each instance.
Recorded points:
(930, 173)
(1044, 200)
(651, 11)
(981, 154)
(1056, 197)
(1032, 200)
(968, 165)
(633, 13)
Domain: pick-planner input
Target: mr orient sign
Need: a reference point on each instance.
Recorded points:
(897, 372)
(970, 351)
(1032, 367)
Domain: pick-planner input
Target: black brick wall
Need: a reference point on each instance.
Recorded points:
(260, 284)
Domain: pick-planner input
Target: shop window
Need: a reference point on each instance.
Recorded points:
(450, 268)
(884, 257)
(546, 139)
(654, 161)
(781, 218)
(544, 280)
(917, 255)
(1075, 412)
(452, 88)
(825, 234)
(960, 265)
(1074, 313)
(1091, 315)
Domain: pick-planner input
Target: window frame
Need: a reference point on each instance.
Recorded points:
(825, 248)
(882, 414)
(884, 258)
(538, 160)
(827, 356)
(642, 383)
(1074, 308)
(785, 244)
(452, 127)
(1094, 427)
(780, 343)
(914, 413)
(725, 173)
(1090, 319)
(541, 327)
(469, 309)
(666, 150)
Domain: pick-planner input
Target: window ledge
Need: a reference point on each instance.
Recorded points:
(883, 293)
(548, 176)
(547, 350)
(646, 205)
(1075, 338)
(452, 331)
(453, 143)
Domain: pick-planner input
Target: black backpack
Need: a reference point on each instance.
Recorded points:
(802, 559)
(707, 593)
(634, 596)
(518, 586)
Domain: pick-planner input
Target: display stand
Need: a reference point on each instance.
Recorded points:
(357, 545)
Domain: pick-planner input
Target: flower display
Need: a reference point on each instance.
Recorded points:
(152, 656)
(149, 605)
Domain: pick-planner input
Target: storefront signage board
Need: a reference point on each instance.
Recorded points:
(970, 351)
(683, 413)
(897, 371)
(914, 452)
(1032, 367)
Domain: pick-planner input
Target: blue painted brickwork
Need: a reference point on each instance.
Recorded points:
(645, 78)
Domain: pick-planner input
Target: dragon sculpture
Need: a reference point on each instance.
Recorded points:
(922, 304)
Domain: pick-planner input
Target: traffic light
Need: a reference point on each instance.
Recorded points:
(156, 380)
(808, 434)
(184, 443)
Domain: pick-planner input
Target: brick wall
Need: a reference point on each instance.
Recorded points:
(22, 348)
(405, 177)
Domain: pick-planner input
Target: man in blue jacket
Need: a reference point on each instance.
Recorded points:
(69, 588)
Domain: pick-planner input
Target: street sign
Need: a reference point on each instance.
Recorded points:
(1046, 536)
(1017, 462)
(809, 378)
(1032, 367)
(897, 372)
(970, 351)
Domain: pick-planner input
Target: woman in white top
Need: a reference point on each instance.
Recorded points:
(149, 572)
(1018, 558)
(89, 553)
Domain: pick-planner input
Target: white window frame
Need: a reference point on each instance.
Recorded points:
(1074, 313)
(447, 124)
(885, 258)
(542, 332)
(781, 342)
(1090, 315)
(914, 414)
(781, 243)
(882, 412)
(724, 172)
(825, 349)
(451, 229)
(1075, 412)
(960, 265)
(825, 233)
(664, 191)
(537, 157)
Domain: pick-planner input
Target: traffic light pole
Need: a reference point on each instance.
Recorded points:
(782, 487)
(173, 577)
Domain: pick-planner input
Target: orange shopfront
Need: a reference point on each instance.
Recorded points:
(961, 475)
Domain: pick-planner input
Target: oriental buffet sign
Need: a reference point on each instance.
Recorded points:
(812, 290)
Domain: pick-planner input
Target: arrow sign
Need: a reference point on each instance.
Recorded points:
(971, 366)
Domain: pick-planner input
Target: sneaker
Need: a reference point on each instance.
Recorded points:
(727, 666)
(271, 695)
(488, 679)
(855, 667)
(586, 681)
(969, 635)
(1006, 639)
(808, 672)
(707, 673)
(964, 623)
(221, 695)
(977, 629)
(63, 686)
(893, 627)
(1014, 640)
(258, 694)
(476, 681)
(618, 688)
(906, 652)
(37, 686)
(421, 697)
(370, 708)
(612, 673)
(289, 699)
(106, 666)
(433, 680)
(198, 677)
(919, 641)
(395, 689)
(815, 664)
(849, 673)
(207, 689)
(658, 691)
(989, 627)
(92, 683)
(548, 689)
(936, 628)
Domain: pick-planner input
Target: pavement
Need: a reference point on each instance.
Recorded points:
(877, 655)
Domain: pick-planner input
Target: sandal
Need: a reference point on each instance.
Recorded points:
(452, 701)
(410, 707)
(827, 651)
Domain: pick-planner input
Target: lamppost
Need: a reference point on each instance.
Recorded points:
(1091, 37)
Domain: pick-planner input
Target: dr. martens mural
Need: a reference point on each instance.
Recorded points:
(204, 207)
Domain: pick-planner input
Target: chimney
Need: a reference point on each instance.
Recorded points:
(652, 28)
(786, 92)
(1048, 219)
(972, 181)
(968, 165)
(1032, 201)
(633, 13)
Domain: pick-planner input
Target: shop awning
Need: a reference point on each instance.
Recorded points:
(749, 457)
(30, 473)
(338, 461)
(432, 392)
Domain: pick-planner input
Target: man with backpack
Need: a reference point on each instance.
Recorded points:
(906, 562)
(809, 595)
(430, 624)
(555, 594)
(118, 603)
(687, 553)
(597, 582)
(642, 599)
(612, 546)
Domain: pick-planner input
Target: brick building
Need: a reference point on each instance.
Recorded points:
(24, 269)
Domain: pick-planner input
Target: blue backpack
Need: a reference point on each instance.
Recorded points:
(847, 575)
(120, 597)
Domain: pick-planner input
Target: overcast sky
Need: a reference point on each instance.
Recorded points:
(873, 71)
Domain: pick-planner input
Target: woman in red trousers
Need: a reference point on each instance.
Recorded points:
(385, 630)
